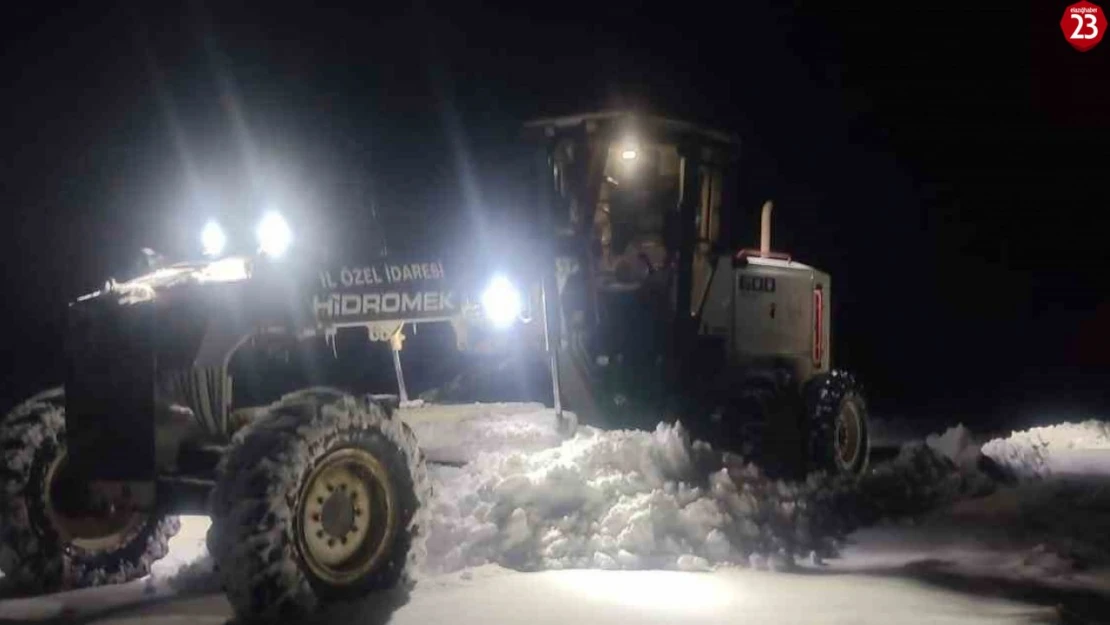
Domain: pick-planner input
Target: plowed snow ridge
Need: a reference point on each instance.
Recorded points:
(635, 499)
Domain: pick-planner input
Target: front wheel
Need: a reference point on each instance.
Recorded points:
(43, 546)
(838, 435)
(319, 499)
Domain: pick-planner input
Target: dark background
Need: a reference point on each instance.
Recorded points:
(946, 165)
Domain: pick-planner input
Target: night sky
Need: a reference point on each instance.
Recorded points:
(947, 166)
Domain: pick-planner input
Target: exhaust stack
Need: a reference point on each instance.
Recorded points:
(765, 230)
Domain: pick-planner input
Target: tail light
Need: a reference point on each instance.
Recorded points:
(818, 325)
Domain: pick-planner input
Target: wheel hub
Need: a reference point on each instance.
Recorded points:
(86, 530)
(847, 436)
(338, 515)
(347, 516)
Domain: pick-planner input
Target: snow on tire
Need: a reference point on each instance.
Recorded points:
(838, 436)
(33, 552)
(320, 498)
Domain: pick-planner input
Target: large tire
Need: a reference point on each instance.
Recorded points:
(838, 437)
(33, 553)
(262, 515)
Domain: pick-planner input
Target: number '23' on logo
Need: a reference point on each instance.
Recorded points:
(1083, 24)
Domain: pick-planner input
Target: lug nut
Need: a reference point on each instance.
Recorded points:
(331, 542)
(319, 533)
(358, 512)
(343, 540)
(320, 500)
(330, 488)
(316, 516)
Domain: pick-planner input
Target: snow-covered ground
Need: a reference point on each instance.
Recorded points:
(531, 525)
(492, 595)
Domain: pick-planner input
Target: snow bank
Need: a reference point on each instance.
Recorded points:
(618, 500)
(529, 499)
(919, 479)
(1038, 452)
(956, 444)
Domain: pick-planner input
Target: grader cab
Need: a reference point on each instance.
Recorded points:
(660, 317)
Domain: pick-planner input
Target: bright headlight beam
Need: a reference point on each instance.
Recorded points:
(629, 154)
(212, 239)
(231, 269)
(501, 302)
(274, 235)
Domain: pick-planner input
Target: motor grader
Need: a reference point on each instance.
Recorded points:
(632, 300)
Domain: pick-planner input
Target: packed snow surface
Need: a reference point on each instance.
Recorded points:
(492, 595)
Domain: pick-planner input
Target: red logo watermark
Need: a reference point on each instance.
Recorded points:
(1083, 24)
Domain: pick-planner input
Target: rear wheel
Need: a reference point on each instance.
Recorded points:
(44, 546)
(839, 440)
(319, 499)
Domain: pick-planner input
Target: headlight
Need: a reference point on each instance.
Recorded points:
(501, 302)
(212, 239)
(274, 235)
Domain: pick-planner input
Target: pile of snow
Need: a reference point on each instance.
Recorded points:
(619, 500)
(633, 499)
(923, 476)
(527, 498)
(1038, 452)
(956, 444)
